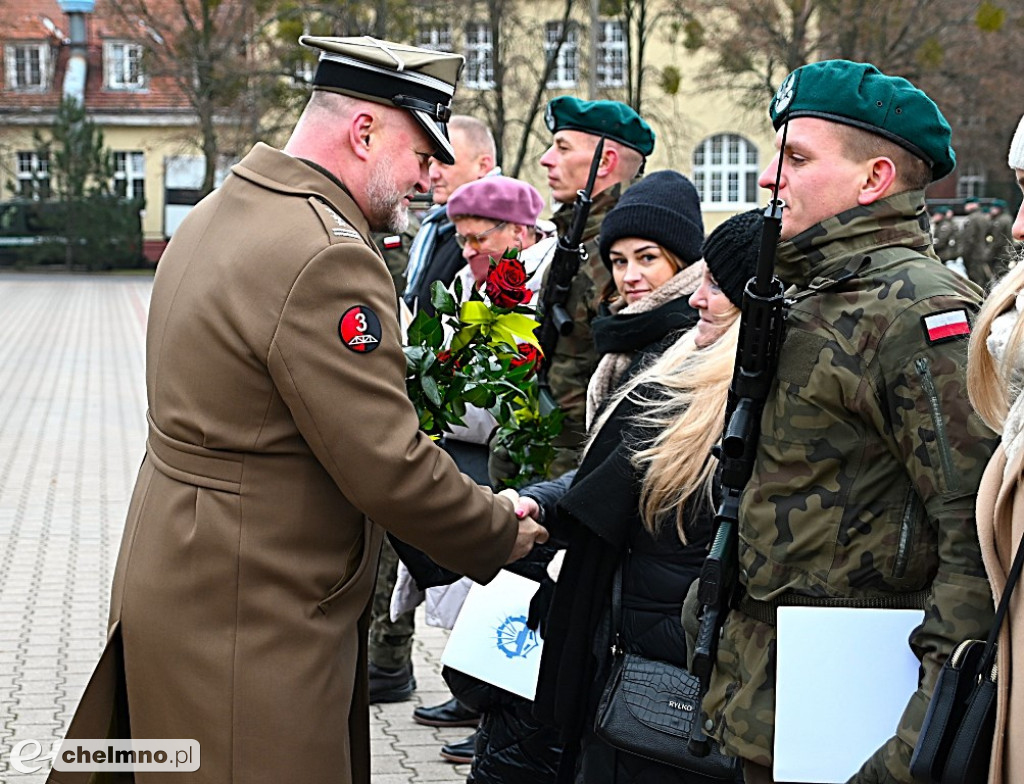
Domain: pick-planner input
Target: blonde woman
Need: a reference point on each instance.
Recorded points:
(995, 378)
(640, 500)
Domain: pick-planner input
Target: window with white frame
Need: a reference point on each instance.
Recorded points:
(611, 53)
(130, 174)
(27, 66)
(566, 72)
(725, 170)
(122, 65)
(479, 53)
(971, 181)
(436, 37)
(32, 175)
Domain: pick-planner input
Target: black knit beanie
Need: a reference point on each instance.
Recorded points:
(730, 252)
(663, 207)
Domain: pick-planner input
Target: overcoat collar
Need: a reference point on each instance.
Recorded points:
(278, 171)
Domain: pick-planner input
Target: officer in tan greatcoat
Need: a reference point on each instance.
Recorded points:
(281, 443)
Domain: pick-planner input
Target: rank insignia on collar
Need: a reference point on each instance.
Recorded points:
(359, 329)
(947, 325)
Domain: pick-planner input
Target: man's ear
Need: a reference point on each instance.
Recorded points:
(485, 163)
(609, 161)
(879, 180)
(360, 130)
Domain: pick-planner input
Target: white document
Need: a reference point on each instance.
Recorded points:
(490, 640)
(844, 678)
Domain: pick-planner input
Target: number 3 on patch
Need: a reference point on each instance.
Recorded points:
(359, 329)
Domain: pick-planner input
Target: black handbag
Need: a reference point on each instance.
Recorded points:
(955, 744)
(648, 708)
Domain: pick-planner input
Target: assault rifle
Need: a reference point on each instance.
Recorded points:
(756, 359)
(569, 254)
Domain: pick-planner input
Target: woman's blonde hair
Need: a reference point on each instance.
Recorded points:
(682, 395)
(988, 386)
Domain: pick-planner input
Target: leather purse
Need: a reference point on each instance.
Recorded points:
(955, 744)
(648, 708)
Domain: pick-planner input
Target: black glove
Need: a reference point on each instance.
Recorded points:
(537, 620)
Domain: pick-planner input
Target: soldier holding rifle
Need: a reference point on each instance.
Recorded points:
(578, 126)
(869, 457)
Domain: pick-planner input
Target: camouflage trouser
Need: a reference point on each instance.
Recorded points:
(390, 643)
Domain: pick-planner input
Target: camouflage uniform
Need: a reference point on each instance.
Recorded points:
(974, 248)
(868, 464)
(946, 240)
(575, 356)
(397, 256)
(1001, 244)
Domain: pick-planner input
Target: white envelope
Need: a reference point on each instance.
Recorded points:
(844, 679)
(490, 640)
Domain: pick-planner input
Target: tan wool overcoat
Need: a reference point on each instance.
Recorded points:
(279, 427)
(1000, 528)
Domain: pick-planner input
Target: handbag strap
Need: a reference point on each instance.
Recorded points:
(1003, 608)
(617, 610)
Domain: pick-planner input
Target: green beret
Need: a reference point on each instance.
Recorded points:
(999, 203)
(860, 95)
(612, 119)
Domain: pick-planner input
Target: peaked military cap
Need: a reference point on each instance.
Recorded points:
(860, 95)
(611, 119)
(420, 80)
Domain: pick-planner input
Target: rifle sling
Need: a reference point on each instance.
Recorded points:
(765, 611)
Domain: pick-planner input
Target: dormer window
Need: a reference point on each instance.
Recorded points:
(27, 66)
(122, 65)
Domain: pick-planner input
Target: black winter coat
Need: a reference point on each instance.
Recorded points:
(595, 510)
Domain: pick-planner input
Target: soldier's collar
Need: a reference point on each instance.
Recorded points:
(821, 283)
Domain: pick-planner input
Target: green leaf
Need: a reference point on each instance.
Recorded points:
(441, 299)
(430, 390)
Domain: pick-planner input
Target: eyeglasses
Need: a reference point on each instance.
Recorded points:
(477, 239)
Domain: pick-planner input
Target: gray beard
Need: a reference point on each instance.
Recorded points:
(387, 212)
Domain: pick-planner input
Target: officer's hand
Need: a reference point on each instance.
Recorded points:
(875, 770)
(530, 531)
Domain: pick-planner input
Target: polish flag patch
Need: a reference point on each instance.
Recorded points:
(392, 242)
(948, 325)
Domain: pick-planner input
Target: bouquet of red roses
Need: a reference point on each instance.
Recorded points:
(479, 349)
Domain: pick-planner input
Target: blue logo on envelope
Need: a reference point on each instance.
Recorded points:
(514, 639)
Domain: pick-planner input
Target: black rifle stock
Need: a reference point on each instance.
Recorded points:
(569, 254)
(756, 360)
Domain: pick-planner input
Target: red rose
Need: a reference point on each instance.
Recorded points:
(528, 355)
(506, 284)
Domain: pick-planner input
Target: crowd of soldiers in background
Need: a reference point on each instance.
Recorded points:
(979, 244)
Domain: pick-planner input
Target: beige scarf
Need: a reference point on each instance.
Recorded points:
(612, 365)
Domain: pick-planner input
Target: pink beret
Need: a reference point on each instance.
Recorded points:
(498, 198)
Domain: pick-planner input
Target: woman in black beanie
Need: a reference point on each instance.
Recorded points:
(639, 507)
(651, 243)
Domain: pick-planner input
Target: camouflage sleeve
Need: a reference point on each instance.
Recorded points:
(576, 358)
(945, 447)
